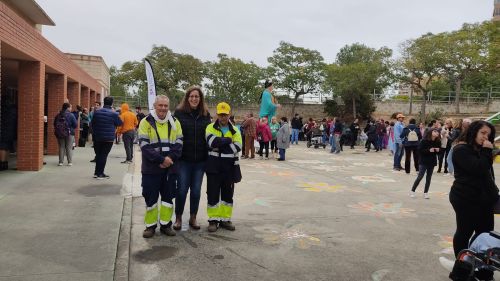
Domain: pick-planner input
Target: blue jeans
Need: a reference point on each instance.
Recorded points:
(190, 177)
(451, 169)
(398, 154)
(282, 153)
(295, 136)
(333, 143)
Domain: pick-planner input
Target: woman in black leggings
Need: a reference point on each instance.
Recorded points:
(428, 149)
(474, 192)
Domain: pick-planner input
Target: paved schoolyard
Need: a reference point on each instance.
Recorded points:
(316, 216)
(60, 223)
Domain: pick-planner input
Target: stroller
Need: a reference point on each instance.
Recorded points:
(315, 138)
(480, 260)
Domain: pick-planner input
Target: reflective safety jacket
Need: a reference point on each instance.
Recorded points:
(158, 141)
(222, 149)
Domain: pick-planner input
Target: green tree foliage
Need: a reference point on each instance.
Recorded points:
(358, 70)
(173, 73)
(297, 70)
(117, 84)
(421, 63)
(233, 81)
(466, 53)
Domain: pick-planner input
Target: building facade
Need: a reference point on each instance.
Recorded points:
(36, 79)
(96, 67)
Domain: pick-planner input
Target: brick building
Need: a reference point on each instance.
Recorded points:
(36, 79)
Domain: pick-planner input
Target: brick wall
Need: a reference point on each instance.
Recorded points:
(85, 101)
(57, 95)
(74, 92)
(16, 32)
(30, 116)
(92, 98)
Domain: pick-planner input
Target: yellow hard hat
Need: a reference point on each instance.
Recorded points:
(223, 108)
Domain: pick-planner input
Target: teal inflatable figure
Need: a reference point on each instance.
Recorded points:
(268, 102)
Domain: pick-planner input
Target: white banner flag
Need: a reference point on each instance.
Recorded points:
(151, 84)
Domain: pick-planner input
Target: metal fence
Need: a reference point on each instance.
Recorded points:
(131, 101)
(466, 97)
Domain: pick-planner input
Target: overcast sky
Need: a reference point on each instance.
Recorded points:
(127, 29)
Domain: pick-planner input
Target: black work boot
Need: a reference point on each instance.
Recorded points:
(149, 232)
(228, 225)
(212, 226)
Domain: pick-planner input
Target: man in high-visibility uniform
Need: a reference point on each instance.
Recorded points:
(160, 138)
(222, 168)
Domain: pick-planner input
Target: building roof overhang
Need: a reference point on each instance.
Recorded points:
(31, 10)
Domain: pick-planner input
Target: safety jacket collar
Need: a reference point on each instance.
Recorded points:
(217, 127)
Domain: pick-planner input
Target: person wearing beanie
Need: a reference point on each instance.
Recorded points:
(104, 124)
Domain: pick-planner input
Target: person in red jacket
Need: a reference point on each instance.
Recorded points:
(264, 136)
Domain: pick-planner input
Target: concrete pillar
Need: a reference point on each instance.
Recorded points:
(92, 98)
(57, 95)
(30, 115)
(74, 89)
(85, 97)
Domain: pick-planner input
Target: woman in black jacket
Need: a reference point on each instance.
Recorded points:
(474, 192)
(194, 117)
(428, 149)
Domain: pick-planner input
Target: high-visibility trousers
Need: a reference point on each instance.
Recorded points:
(152, 187)
(220, 191)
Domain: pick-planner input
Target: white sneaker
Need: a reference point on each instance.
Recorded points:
(267, 158)
(426, 196)
(261, 158)
(412, 194)
(70, 164)
(60, 164)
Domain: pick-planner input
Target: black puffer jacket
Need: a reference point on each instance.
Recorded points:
(194, 148)
(474, 179)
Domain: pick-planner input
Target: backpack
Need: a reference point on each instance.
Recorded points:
(61, 128)
(412, 136)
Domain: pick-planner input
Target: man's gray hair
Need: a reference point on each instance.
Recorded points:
(160, 97)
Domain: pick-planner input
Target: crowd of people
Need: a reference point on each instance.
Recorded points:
(179, 148)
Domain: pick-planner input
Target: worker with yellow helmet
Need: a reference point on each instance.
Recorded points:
(222, 168)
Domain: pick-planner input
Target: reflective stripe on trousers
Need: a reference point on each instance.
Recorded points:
(223, 211)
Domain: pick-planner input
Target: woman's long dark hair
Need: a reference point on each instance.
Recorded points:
(428, 135)
(65, 107)
(202, 106)
(474, 127)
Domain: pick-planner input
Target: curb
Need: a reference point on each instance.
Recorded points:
(122, 262)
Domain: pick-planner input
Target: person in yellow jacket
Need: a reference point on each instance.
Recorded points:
(127, 130)
(160, 138)
(222, 168)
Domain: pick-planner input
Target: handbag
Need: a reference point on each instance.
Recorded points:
(256, 144)
(236, 174)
